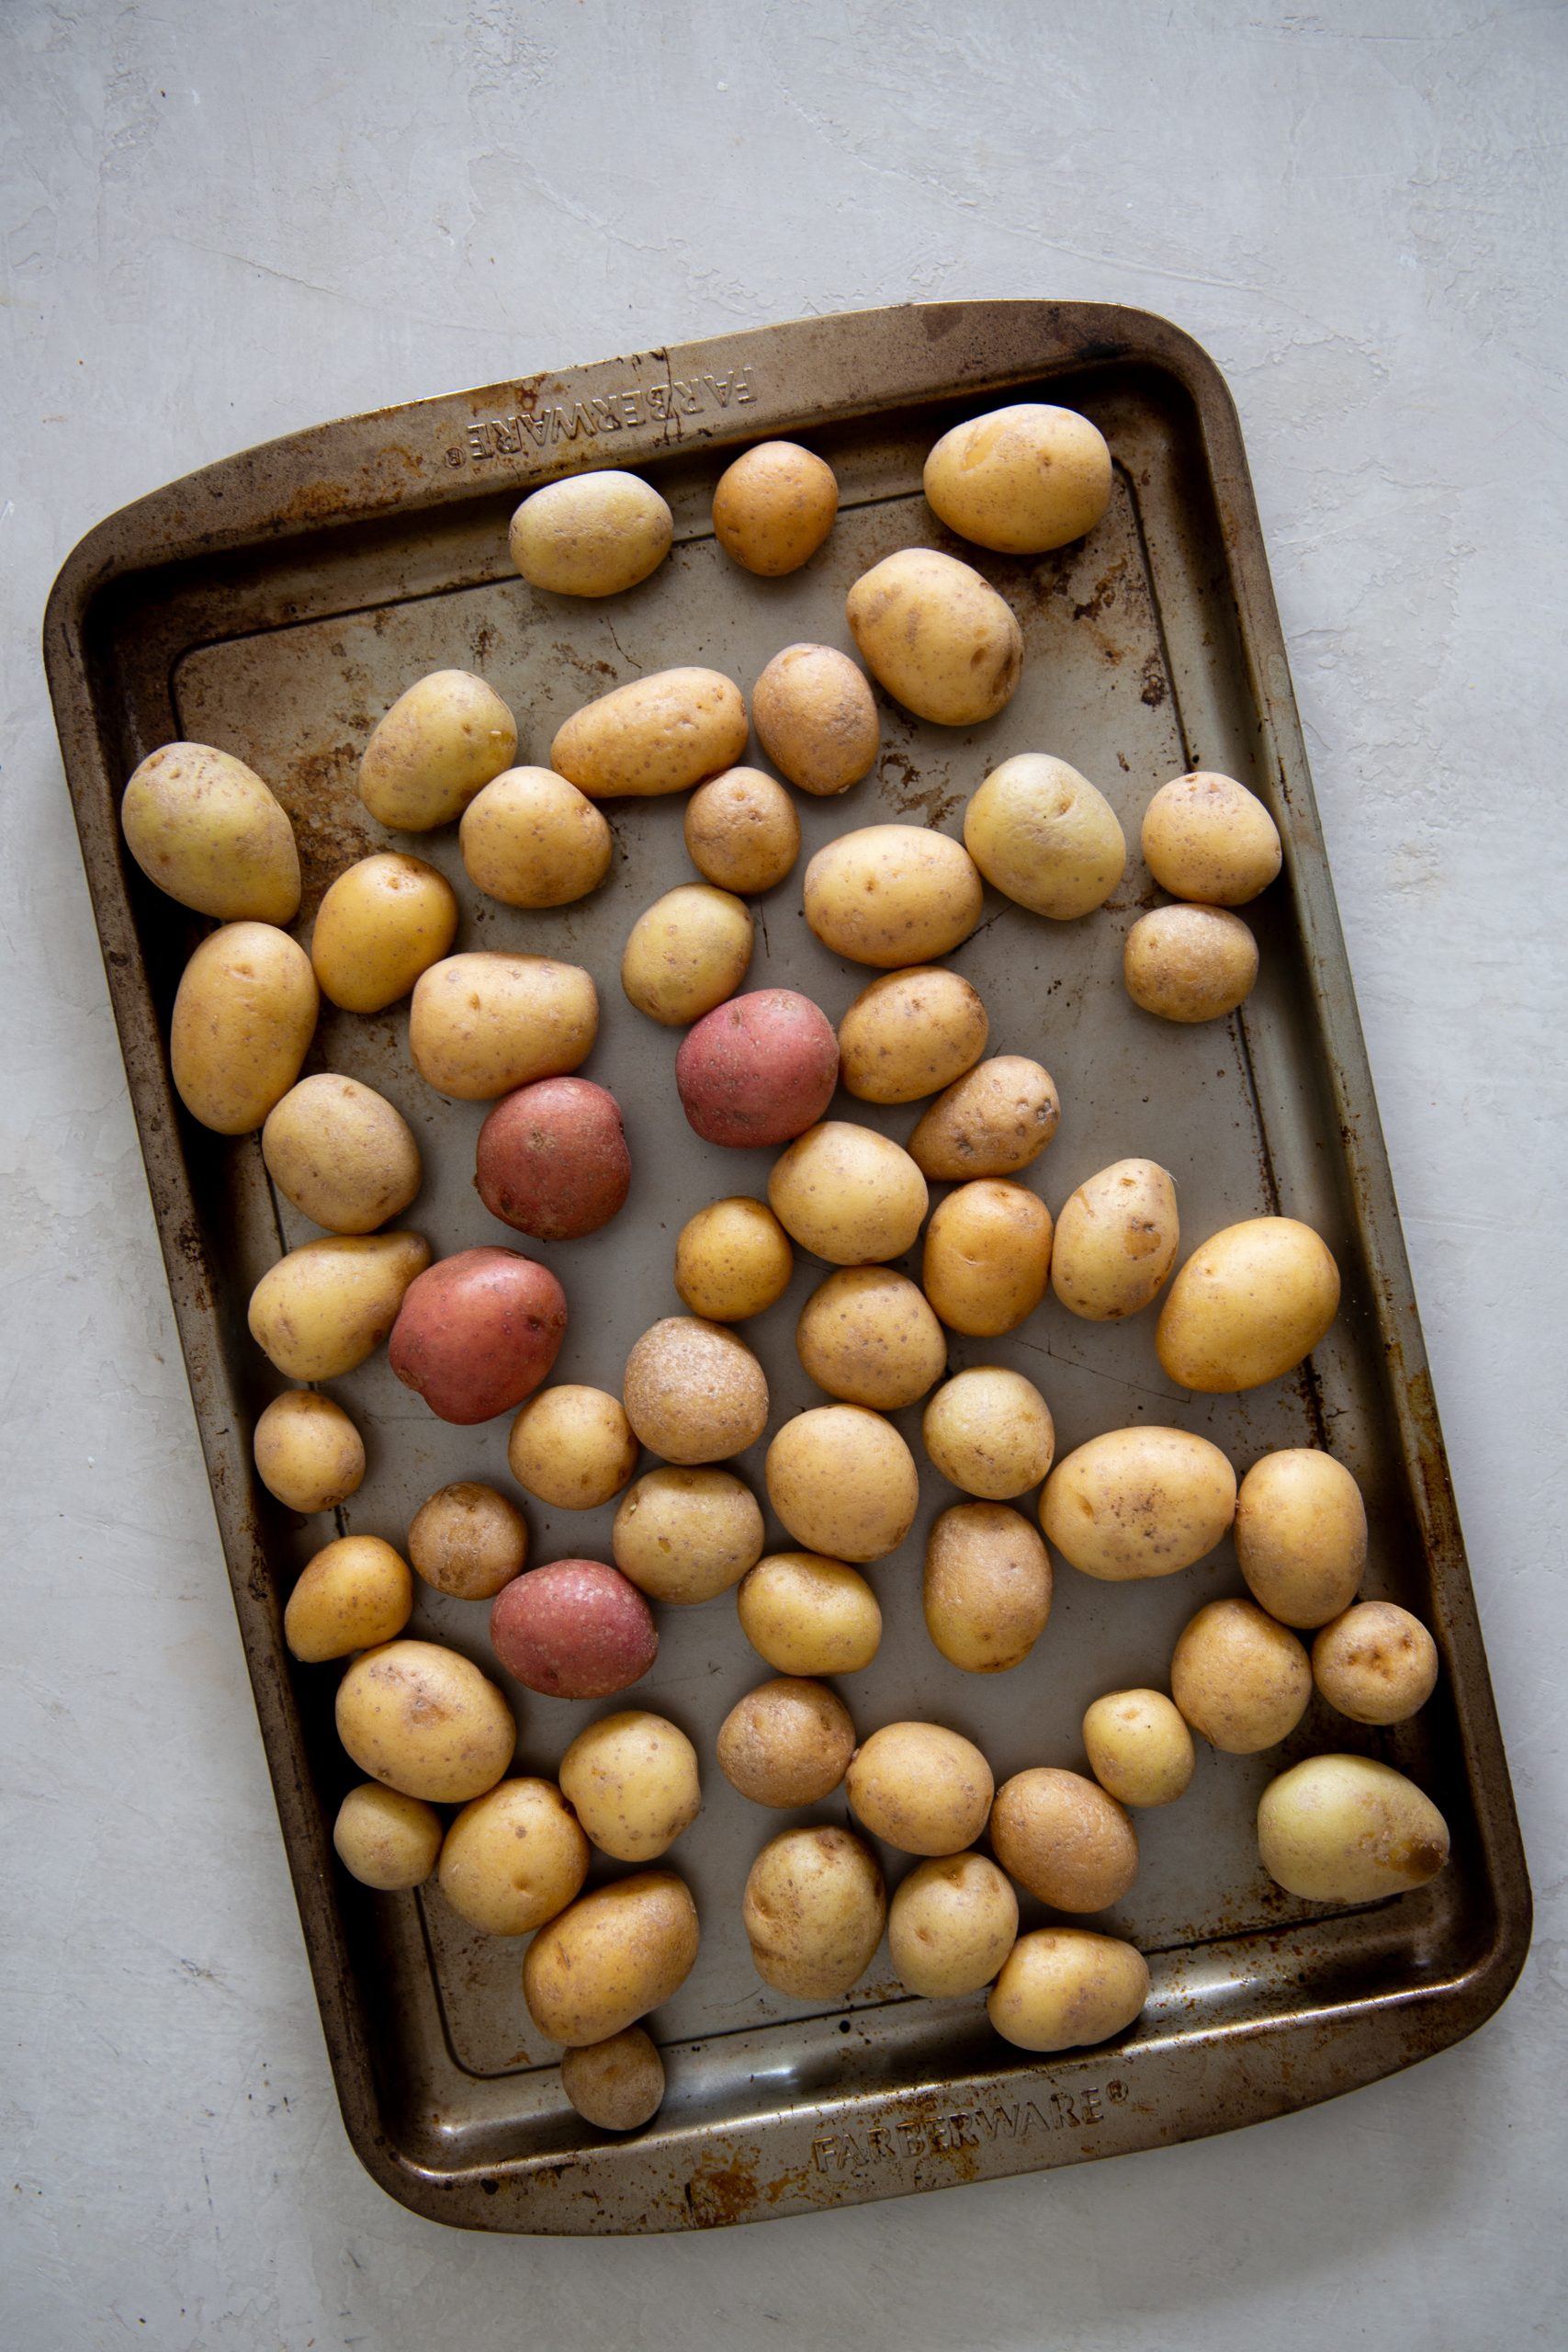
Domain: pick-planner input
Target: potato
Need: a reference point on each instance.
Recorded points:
(381, 923)
(328, 1305)
(848, 1195)
(773, 507)
(593, 535)
(477, 1333)
(951, 1925)
(816, 718)
(424, 1721)
(615, 2084)
(1139, 1748)
(1377, 1663)
(990, 1431)
(991, 1122)
(244, 1015)
(1041, 834)
(1343, 1829)
(808, 1615)
(631, 1780)
(1138, 1502)
(1250, 1304)
(351, 1595)
(741, 830)
(686, 953)
(513, 1858)
(867, 1335)
(205, 828)
(892, 895)
(468, 1541)
(814, 1908)
(911, 1032)
(387, 1840)
(932, 632)
(694, 1392)
(844, 1482)
(552, 1159)
(308, 1452)
(758, 1069)
(610, 1957)
(732, 1260)
(1020, 478)
(1189, 964)
(1206, 837)
(571, 1446)
(786, 1743)
(1238, 1678)
(1300, 1535)
(660, 733)
(341, 1153)
(573, 1629)
(1116, 1241)
(685, 1535)
(530, 838)
(485, 1022)
(1061, 1989)
(1064, 1839)
(987, 1586)
(988, 1255)
(920, 1788)
(440, 743)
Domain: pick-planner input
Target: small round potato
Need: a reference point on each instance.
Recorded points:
(422, 1719)
(694, 1392)
(530, 838)
(477, 1333)
(308, 1452)
(787, 1743)
(732, 1260)
(868, 1336)
(468, 1541)
(816, 718)
(207, 829)
(440, 743)
(1022, 479)
(683, 1535)
(1043, 836)
(485, 1022)
(616, 2084)
(660, 733)
(1061, 1989)
(1240, 1678)
(892, 895)
(552, 1159)
(351, 1595)
(773, 507)
(808, 1615)
(385, 1840)
(911, 1032)
(1250, 1304)
(814, 1909)
(594, 534)
(1064, 1839)
(244, 1015)
(1139, 1748)
(1207, 838)
(1116, 1241)
(1189, 964)
(988, 1257)
(571, 1446)
(573, 1629)
(990, 1431)
(844, 1482)
(992, 1122)
(611, 1957)
(513, 1858)
(329, 1304)
(1300, 1535)
(1343, 1829)
(741, 832)
(1377, 1663)
(937, 636)
(758, 1069)
(687, 952)
(920, 1787)
(1138, 1502)
(987, 1586)
(341, 1153)
(631, 1780)
(848, 1195)
(381, 924)
(951, 1925)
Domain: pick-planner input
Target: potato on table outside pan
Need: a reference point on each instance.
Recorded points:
(631, 1780)
(1116, 1241)
(1021, 480)
(329, 1304)
(951, 1925)
(909, 1033)
(439, 744)
(244, 1015)
(1041, 835)
(844, 1482)
(308, 1452)
(1248, 1306)
(892, 895)
(758, 1069)
(741, 832)
(571, 1446)
(383, 921)
(687, 952)
(1344, 1829)
(207, 829)
(990, 1431)
(1205, 837)
(1138, 1502)
(483, 1023)
(816, 718)
(1063, 1989)
(425, 1721)
(478, 1332)
(773, 507)
(657, 734)
(814, 1908)
(341, 1153)
(1189, 964)
(593, 535)
(992, 1122)
(530, 838)
(513, 1858)
(611, 1957)
(937, 636)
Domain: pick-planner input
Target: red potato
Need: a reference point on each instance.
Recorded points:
(759, 1069)
(478, 1332)
(552, 1159)
(576, 1629)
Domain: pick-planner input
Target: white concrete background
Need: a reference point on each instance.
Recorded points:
(222, 220)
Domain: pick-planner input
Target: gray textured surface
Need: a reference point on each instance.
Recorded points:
(222, 223)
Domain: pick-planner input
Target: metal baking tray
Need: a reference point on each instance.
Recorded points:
(275, 605)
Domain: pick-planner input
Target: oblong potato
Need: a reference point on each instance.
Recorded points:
(844, 1482)
(422, 1719)
(1300, 1535)
(694, 1392)
(1250, 1304)
(1063, 1989)
(911, 1032)
(892, 895)
(987, 1593)
(816, 718)
(773, 507)
(808, 1615)
(1189, 964)
(1344, 1829)
(530, 838)
(732, 1260)
(571, 1446)
(741, 832)
(814, 1909)
(440, 743)
(513, 1858)
(341, 1153)
(1116, 1241)
(1138, 1502)
(328, 1305)
(936, 636)
(244, 1015)
(683, 1535)
(990, 1431)
(848, 1195)
(381, 923)
(988, 1257)
(350, 1595)
(611, 1957)
(1064, 1839)
(1045, 837)
(631, 1780)
(308, 1452)
(1205, 837)
(951, 1925)
(385, 1840)
(1240, 1678)
(920, 1787)
(992, 1122)
(1022, 479)
(594, 534)
(867, 1335)
(483, 1023)
(657, 734)
(207, 829)
(787, 1743)
(686, 952)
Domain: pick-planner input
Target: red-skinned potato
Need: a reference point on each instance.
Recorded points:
(552, 1159)
(478, 1332)
(759, 1069)
(575, 1629)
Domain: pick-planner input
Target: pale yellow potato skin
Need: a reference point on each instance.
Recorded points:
(937, 636)
(787, 1743)
(986, 1592)
(594, 534)
(741, 830)
(1021, 480)
(422, 1719)
(1240, 1680)
(1063, 1989)
(694, 1392)
(207, 829)
(773, 507)
(244, 1015)
(611, 1957)
(1300, 1535)
(341, 1153)
(687, 952)
(440, 743)
(920, 1787)
(308, 1452)
(661, 733)
(1044, 836)
(867, 1336)
(988, 1257)
(385, 1840)
(992, 1122)
(1344, 1829)
(816, 718)
(1138, 1502)
(352, 1594)
(848, 1195)
(814, 1909)
(1376, 1664)
(571, 1446)
(844, 1482)
(990, 1431)
(805, 1614)
(616, 2084)
(530, 838)
(468, 1541)
(951, 1925)
(1206, 838)
(381, 923)
(513, 1858)
(911, 1032)
(732, 1260)
(1116, 1241)
(1189, 964)
(1249, 1305)
(484, 1023)
(1139, 1748)
(1064, 1839)
(682, 1535)
(633, 1783)
(329, 1304)
(892, 895)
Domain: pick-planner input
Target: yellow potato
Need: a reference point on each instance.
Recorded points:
(328, 1305)
(1116, 1241)
(951, 1926)
(593, 535)
(892, 895)
(244, 1015)
(844, 1482)
(1064, 1839)
(307, 1452)
(487, 1022)
(383, 922)
(808, 1615)
(631, 1780)
(990, 1431)
(1138, 1502)
(1250, 1304)
(694, 1392)
(438, 745)
(530, 838)
(1377, 1663)
(1240, 1678)
(992, 1122)
(661, 733)
(987, 1256)
(741, 830)
(205, 828)
(848, 1195)
(351, 1595)
(816, 718)
(422, 1719)
(1062, 1989)
(1343, 1829)
(385, 1840)
(920, 1787)
(1139, 1748)
(686, 953)
(868, 1336)
(683, 1535)
(1300, 1535)
(1205, 837)
(773, 507)
(513, 1858)
(468, 1541)
(987, 1586)
(786, 1743)
(573, 1447)
(610, 1957)
(1045, 837)
(911, 1032)
(814, 1908)
(1020, 478)
(732, 1260)
(1189, 964)
(615, 2084)
(341, 1153)
(941, 640)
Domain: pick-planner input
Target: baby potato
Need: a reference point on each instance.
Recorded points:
(1377, 1663)
(477, 1333)
(328, 1305)
(814, 1908)
(244, 1015)
(1300, 1535)
(1189, 964)
(732, 1260)
(611, 1957)
(758, 1069)
(686, 953)
(385, 1840)
(594, 534)
(694, 1392)
(936, 636)
(468, 1541)
(485, 1022)
(808, 1615)
(741, 832)
(513, 1858)
(1139, 1748)
(1064, 1839)
(341, 1153)
(571, 1446)
(848, 1195)
(205, 828)
(844, 1482)
(1061, 1989)
(773, 507)
(951, 1925)
(1343, 1829)
(1138, 1502)
(911, 1032)
(868, 1336)
(616, 2084)
(1020, 478)
(351, 1595)
(1205, 837)
(424, 1721)
(892, 895)
(530, 838)
(381, 923)
(1041, 835)
(660, 733)
(308, 1452)
(990, 1431)
(988, 1255)
(816, 718)
(1250, 1304)
(920, 1788)
(552, 1159)
(573, 1629)
(787, 1743)
(631, 1780)
(1240, 1678)
(440, 743)
(685, 1535)
(1116, 1241)
(987, 1586)
(992, 1122)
